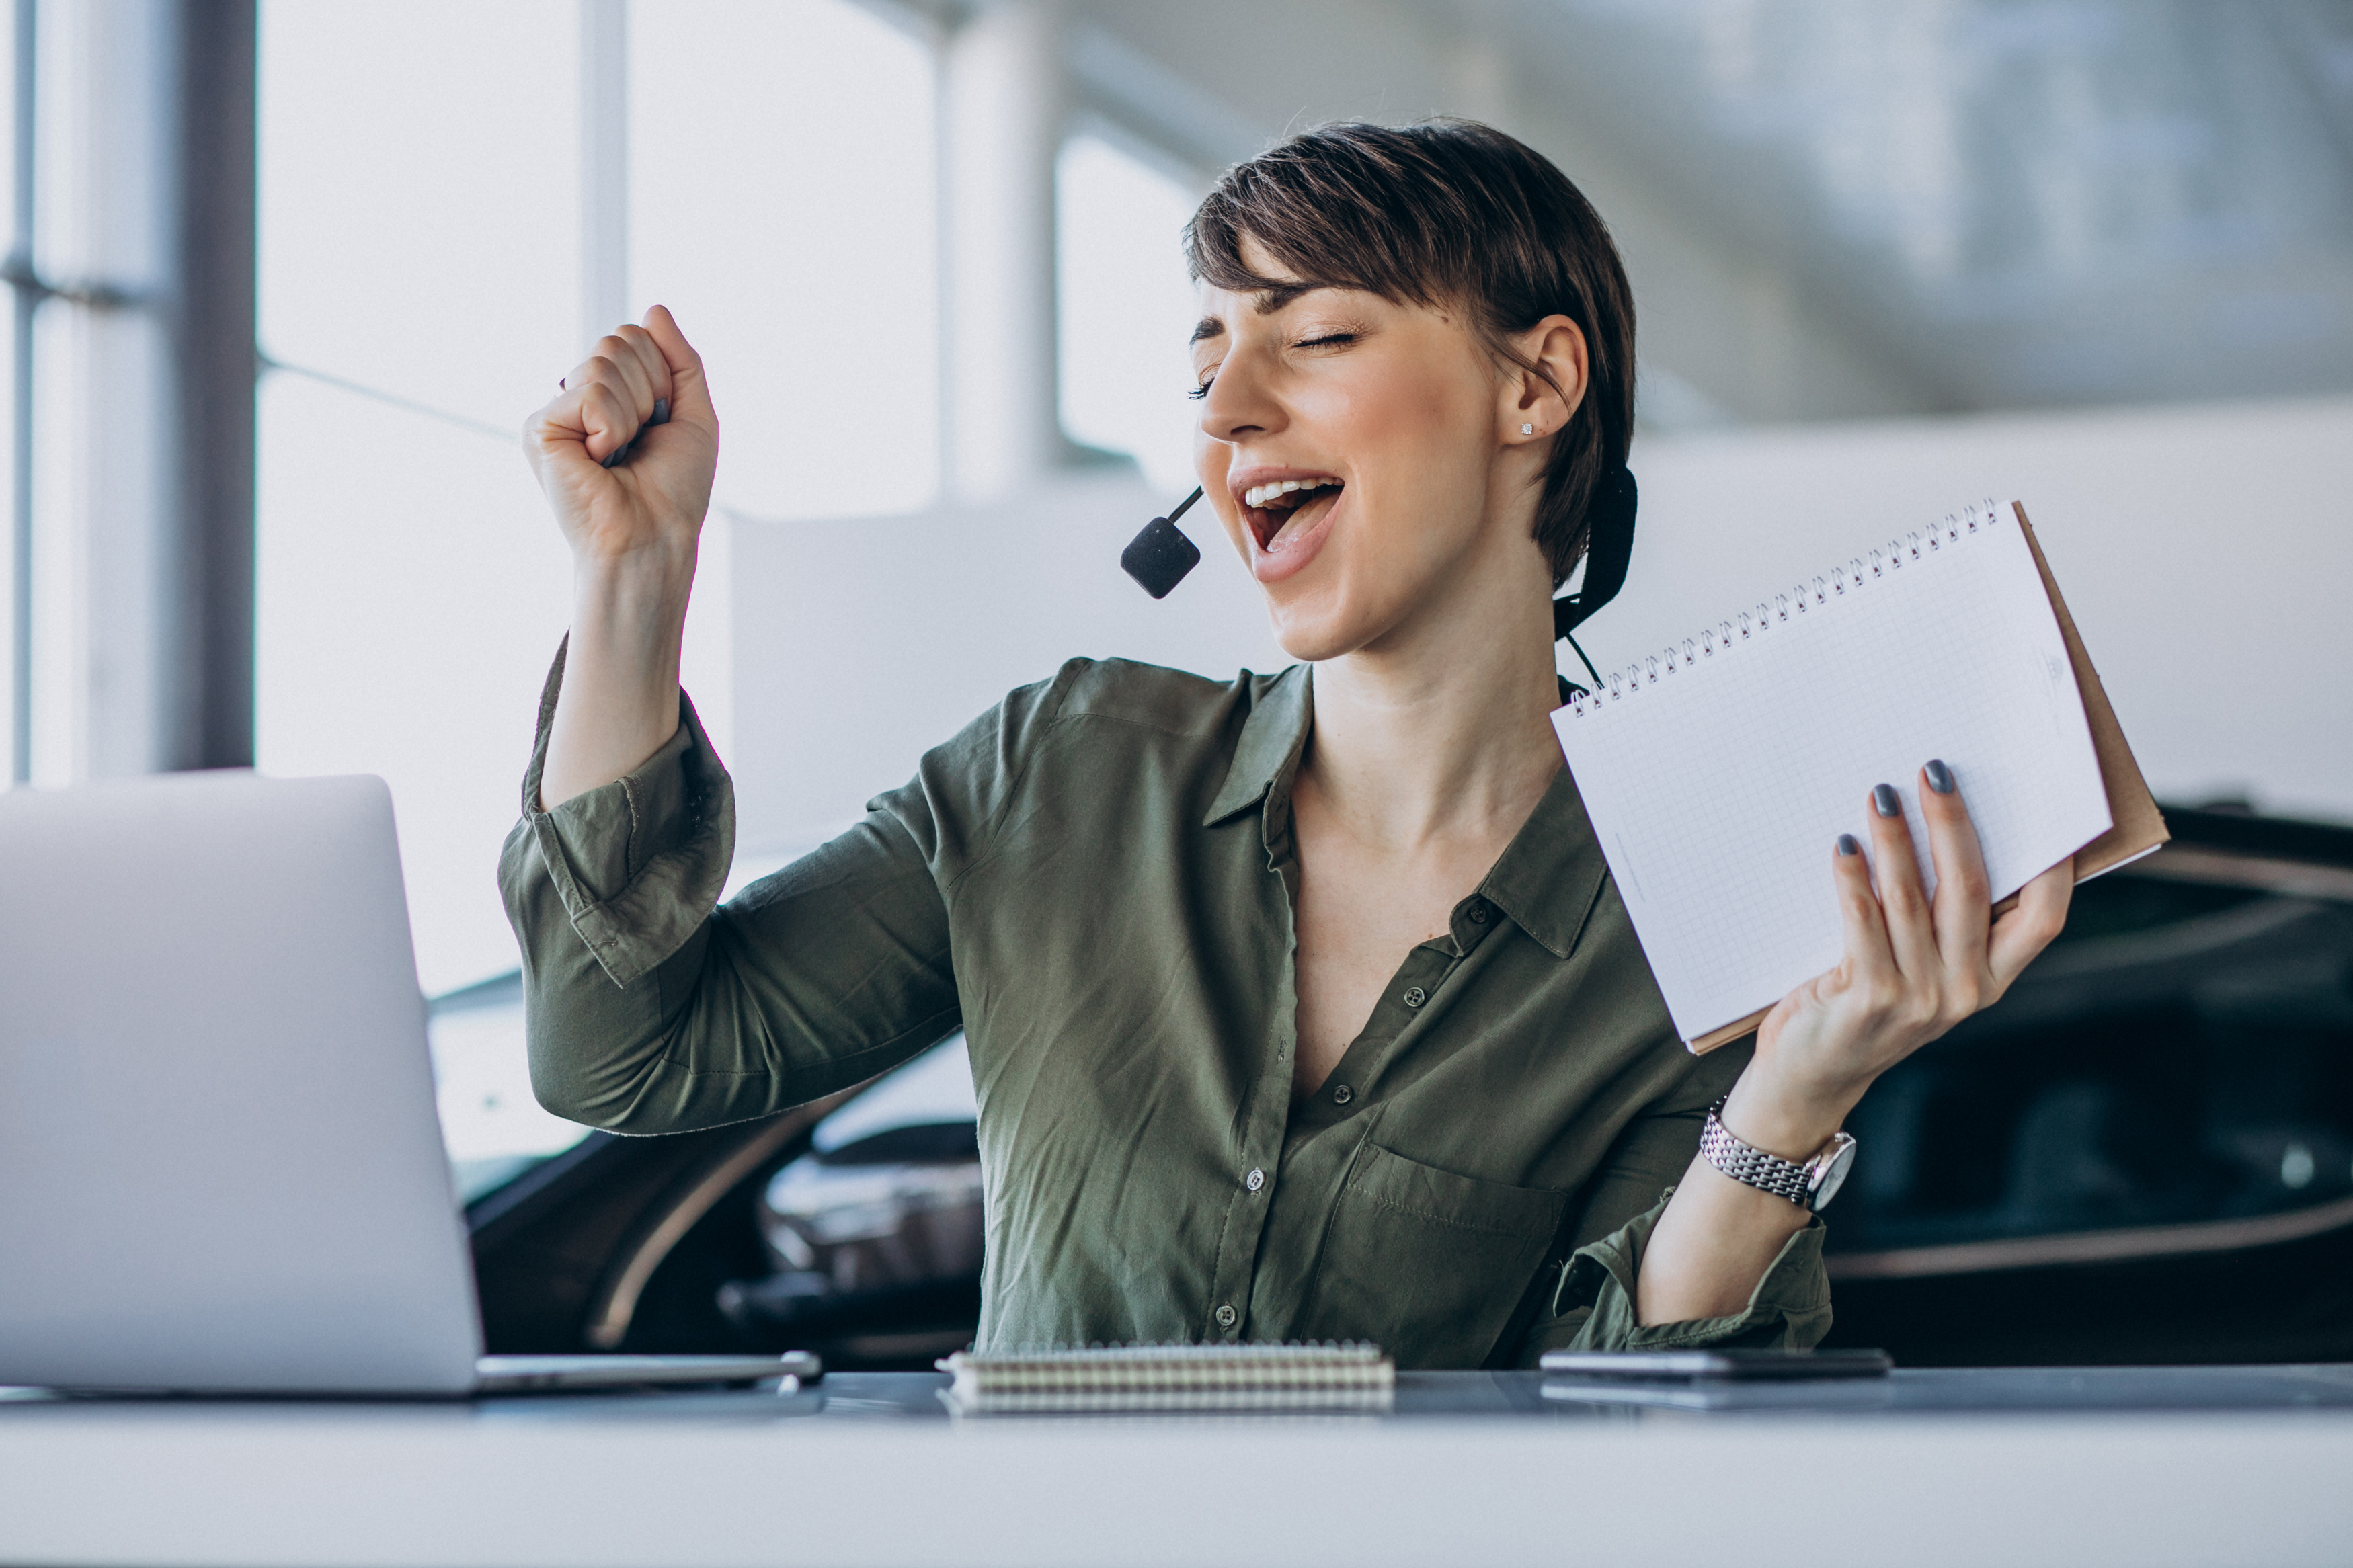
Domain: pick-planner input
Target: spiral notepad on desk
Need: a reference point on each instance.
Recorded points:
(1141, 1377)
(1717, 772)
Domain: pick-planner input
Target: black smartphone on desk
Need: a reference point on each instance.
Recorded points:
(1724, 1366)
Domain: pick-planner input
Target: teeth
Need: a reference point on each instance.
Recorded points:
(1259, 495)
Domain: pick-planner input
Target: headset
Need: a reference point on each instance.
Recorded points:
(1160, 557)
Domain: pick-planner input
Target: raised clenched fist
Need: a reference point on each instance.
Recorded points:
(626, 452)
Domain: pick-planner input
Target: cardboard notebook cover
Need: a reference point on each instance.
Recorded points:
(2136, 826)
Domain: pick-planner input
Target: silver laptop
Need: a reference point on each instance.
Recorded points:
(220, 1166)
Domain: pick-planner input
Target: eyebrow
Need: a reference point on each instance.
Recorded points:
(1269, 302)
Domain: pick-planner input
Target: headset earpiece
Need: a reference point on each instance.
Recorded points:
(1609, 547)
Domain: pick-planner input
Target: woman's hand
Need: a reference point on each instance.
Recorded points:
(1915, 966)
(637, 403)
(641, 388)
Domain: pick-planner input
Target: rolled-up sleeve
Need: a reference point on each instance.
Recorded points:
(633, 867)
(650, 1008)
(1591, 1306)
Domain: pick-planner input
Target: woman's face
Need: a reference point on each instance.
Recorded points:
(1365, 457)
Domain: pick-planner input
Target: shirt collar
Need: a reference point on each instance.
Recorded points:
(1549, 874)
(1547, 878)
(1271, 741)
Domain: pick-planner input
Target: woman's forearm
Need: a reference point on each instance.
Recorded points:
(618, 704)
(1710, 1248)
(1718, 1236)
(624, 456)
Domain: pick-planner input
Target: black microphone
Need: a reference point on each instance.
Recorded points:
(1160, 557)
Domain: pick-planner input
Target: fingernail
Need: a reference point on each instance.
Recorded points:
(661, 416)
(1847, 844)
(621, 451)
(1884, 800)
(1940, 777)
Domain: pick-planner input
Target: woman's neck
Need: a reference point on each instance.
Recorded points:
(1439, 730)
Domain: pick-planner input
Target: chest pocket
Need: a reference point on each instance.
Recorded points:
(1426, 1263)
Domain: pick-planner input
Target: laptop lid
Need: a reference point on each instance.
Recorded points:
(220, 1166)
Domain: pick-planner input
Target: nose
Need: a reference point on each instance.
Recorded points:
(1240, 404)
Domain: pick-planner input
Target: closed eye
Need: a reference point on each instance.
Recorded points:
(1329, 341)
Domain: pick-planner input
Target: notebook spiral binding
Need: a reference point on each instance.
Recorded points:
(1171, 1377)
(1750, 625)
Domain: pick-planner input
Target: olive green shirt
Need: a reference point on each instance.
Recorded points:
(1096, 881)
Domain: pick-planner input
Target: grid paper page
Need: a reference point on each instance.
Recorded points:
(1719, 772)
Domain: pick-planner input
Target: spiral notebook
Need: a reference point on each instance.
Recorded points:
(1304, 1377)
(1718, 771)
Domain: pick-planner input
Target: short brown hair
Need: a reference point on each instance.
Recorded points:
(1447, 214)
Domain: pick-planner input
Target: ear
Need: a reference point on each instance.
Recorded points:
(1535, 407)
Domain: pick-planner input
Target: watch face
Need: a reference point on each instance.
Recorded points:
(1833, 1169)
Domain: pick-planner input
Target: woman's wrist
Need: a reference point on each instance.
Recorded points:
(632, 607)
(643, 577)
(1783, 1119)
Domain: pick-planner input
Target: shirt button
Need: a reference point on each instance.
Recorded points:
(1415, 996)
(1226, 1315)
(1255, 1180)
(1477, 911)
(1342, 1094)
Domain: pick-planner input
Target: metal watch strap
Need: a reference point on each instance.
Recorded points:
(1752, 1166)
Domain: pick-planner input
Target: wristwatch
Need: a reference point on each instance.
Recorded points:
(1809, 1184)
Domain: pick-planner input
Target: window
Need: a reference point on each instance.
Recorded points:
(781, 205)
(1127, 309)
(422, 284)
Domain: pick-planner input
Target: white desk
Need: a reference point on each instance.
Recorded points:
(2201, 1466)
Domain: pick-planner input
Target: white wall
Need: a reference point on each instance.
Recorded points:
(861, 643)
(2206, 553)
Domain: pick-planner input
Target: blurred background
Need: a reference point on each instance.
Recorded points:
(289, 277)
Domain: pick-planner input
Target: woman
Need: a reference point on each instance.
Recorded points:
(1301, 1007)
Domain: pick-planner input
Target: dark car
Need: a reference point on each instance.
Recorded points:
(2143, 1153)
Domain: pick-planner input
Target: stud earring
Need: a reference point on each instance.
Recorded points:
(1527, 429)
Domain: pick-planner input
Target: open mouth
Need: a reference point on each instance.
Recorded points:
(1283, 510)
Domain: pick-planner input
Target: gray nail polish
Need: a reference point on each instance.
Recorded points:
(661, 412)
(1940, 777)
(614, 457)
(1847, 844)
(1884, 800)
